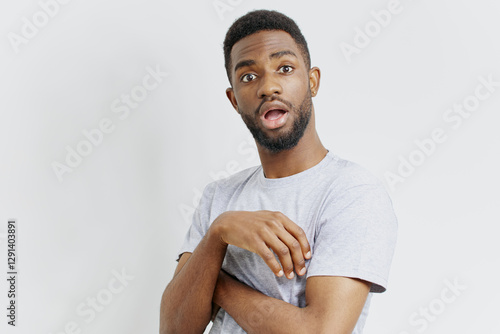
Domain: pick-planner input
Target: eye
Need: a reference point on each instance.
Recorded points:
(248, 77)
(286, 69)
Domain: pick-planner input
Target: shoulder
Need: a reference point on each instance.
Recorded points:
(233, 182)
(355, 194)
(352, 189)
(344, 175)
(217, 194)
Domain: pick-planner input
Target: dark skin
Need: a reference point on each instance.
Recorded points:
(272, 67)
(291, 86)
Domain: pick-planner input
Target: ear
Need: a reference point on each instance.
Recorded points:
(314, 78)
(232, 98)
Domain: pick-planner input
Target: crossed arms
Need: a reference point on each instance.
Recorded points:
(199, 286)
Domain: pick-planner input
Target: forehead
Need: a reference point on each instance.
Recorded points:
(263, 44)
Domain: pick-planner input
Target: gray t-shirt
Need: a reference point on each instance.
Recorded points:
(345, 212)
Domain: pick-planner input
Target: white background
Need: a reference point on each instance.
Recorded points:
(125, 207)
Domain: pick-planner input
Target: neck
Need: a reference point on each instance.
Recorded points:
(308, 153)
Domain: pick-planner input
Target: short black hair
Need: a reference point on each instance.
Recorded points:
(259, 20)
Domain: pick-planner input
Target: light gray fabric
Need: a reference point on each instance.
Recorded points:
(345, 212)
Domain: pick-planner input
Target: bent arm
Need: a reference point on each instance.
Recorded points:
(186, 304)
(333, 305)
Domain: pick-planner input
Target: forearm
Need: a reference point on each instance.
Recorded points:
(258, 313)
(187, 301)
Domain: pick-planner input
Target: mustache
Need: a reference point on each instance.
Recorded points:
(274, 98)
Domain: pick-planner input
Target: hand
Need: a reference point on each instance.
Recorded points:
(262, 231)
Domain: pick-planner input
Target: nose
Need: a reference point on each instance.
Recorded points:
(269, 85)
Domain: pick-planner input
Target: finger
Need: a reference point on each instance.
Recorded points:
(298, 233)
(268, 256)
(295, 250)
(284, 254)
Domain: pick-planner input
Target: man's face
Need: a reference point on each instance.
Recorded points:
(271, 88)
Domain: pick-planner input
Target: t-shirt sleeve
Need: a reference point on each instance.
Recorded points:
(355, 236)
(200, 222)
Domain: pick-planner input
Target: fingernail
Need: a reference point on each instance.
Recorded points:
(291, 275)
(308, 254)
(280, 273)
(302, 271)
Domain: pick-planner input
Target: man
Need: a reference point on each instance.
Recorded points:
(298, 244)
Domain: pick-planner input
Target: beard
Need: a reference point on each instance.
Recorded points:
(288, 139)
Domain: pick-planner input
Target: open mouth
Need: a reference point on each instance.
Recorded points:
(274, 114)
(274, 118)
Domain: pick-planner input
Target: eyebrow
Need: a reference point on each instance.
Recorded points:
(283, 53)
(244, 63)
(278, 54)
